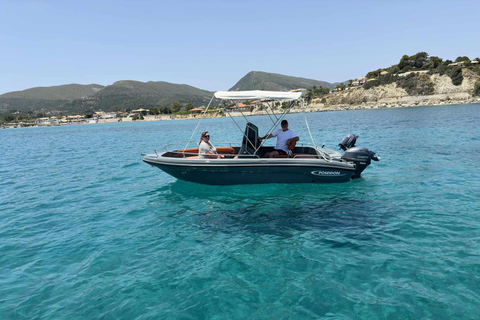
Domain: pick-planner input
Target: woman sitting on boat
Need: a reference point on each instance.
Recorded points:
(206, 148)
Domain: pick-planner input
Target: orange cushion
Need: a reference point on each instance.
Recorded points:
(226, 150)
(193, 151)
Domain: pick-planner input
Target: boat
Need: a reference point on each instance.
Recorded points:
(242, 162)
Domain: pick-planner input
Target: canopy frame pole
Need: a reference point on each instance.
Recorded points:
(194, 131)
(271, 109)
(312, 137)
(244, 116)
(266, 110)
(209, 122)
(243, 133)
(282, 116)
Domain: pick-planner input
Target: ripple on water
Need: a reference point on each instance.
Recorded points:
(89, 231)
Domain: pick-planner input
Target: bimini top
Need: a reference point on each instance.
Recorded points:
(257, 94)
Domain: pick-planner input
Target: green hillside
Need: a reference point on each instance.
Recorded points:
(156, 90)
(258, 80)
(64, 92)
(45, 98)
(125, 94)
(129, 94)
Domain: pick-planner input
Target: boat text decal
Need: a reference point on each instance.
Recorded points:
(326, 173)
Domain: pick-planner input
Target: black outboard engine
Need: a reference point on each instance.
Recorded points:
(348, 142)
(362, 157)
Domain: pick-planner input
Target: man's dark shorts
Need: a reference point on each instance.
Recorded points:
(281, 152)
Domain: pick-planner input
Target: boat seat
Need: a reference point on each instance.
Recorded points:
(192, 151)
(291, 146)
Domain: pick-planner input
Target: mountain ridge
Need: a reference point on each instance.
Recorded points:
(60, 92)
(261, 80)
(128, 94)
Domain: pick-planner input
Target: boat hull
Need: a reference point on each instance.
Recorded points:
(241, 171)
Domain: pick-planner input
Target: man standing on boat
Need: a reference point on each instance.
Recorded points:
(284, 138)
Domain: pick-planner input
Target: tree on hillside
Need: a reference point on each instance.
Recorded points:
(417, 61)
(464, 58)
(373, 74)
(176, 106)
(420, 59)
(9, 117)
(404, 62)
(153, 111)
(476, 88)
(165, 110)
(165, 102)
(455, 73)
(316, 92)
(188, 106)
(434, 62)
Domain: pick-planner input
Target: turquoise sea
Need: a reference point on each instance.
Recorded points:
(89, 231)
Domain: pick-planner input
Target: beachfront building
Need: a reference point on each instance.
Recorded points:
(140, 112)
(75, 119)
(45, 121)
(461, 63)
(195, 110)
(359, 81)
(241, 107)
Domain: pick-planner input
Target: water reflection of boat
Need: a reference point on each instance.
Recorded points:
(242, 162)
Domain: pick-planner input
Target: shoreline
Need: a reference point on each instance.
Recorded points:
(310, 109)
(396, 104)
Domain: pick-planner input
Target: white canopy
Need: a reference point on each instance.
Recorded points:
(257, 94)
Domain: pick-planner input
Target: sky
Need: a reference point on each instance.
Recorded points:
(213, 44)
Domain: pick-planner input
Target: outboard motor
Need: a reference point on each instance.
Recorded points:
(348, 142)
(362, 157)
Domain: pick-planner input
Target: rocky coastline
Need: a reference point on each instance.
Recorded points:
(384, 105)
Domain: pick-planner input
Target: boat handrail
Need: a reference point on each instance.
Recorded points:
(169, 148)
(230, 144)
(323, 154)
(165, 146)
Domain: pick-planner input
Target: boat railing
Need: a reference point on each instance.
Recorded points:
(169, 147)
(182, 147)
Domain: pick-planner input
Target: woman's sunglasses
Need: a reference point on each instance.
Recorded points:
(207, 136)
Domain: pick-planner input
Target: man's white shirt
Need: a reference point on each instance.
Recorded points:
(282, 137)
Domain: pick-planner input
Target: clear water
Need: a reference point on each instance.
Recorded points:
(89, 231)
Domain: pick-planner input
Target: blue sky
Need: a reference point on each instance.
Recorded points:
(212, 44)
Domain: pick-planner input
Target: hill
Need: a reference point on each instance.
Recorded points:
(129, 94)
(419, 79)
(63, 92)
(259, 80)
(157, 90)
(45, 98)
(125, 94)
